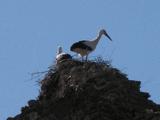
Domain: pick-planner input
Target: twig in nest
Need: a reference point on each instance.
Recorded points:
(36, 75)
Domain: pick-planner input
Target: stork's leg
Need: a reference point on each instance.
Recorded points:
(86, 57)
(82, 58)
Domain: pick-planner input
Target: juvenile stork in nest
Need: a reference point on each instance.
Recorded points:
(61, 55)
(85, 47)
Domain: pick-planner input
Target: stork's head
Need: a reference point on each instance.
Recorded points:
(103, 32)
(59, 50)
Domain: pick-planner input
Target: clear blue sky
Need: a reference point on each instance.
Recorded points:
(30, 31)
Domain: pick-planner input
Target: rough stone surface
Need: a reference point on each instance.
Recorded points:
(74, 90)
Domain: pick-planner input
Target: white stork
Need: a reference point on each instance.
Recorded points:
(85, 47)
(61, 55)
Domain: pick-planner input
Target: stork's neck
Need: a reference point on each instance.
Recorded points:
(96, 40)
(59, 51)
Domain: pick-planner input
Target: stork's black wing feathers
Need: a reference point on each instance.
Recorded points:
(63, 56)
(80, 45)
(66, 56)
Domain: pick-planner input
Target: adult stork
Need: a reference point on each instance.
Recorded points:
(85, 47)
(61, 55)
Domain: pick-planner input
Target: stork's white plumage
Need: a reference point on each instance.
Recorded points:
(85, 47)
(61, 55)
